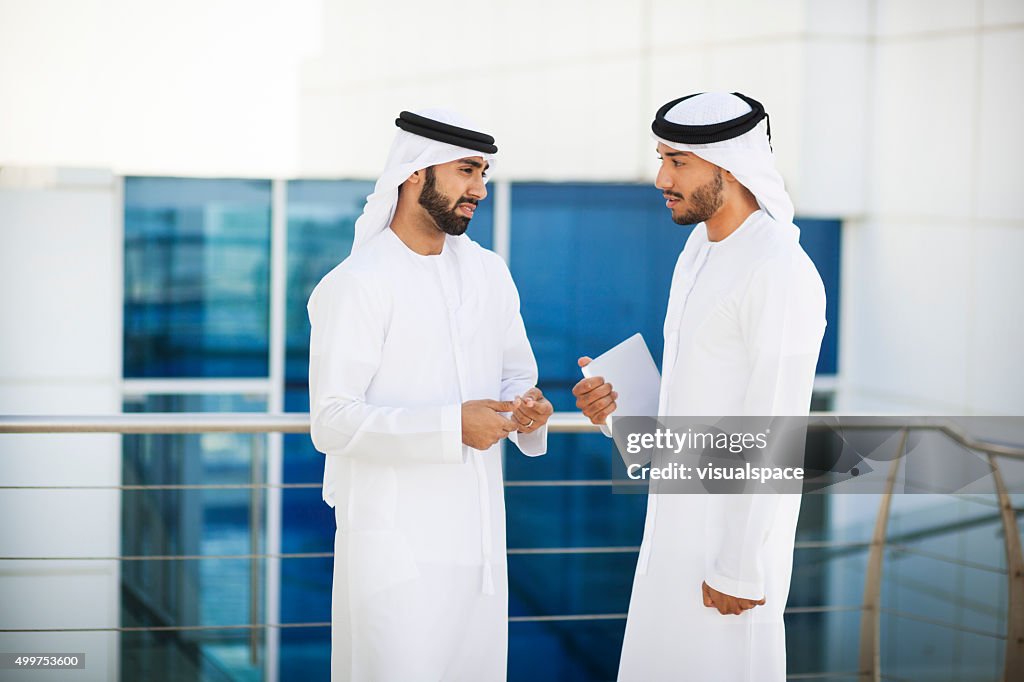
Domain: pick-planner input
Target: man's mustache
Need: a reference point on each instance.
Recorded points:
(675, 195)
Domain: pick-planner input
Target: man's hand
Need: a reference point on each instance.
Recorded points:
(726, 604)
(482, 423)
(594, 396)
(533, 411)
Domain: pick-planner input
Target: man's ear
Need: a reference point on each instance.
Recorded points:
(415, 178)
(729, 177)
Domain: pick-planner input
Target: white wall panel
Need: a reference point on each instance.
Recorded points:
(996, 319)
(1001, 144)
(895, 17)
(60, 349)
(906, 297)
(922, 103)
(834, 124)
(1001, 12)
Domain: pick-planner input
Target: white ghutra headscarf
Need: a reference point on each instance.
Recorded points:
(428, 137)
(731, 131)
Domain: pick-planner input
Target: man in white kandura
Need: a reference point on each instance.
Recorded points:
(419, 367)
(745, 319)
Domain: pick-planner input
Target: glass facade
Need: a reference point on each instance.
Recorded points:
(196, 277)
(187, 518)
(592, 262)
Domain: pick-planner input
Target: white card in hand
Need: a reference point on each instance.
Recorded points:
(631, 371)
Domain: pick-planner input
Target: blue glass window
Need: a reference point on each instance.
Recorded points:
(189, 521)
(197, 277)
(822, 240)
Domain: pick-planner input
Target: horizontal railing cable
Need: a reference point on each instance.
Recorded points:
(941, 623)
(574, 617)
(512, 551)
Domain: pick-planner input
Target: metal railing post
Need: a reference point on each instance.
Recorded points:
(1013, 663)
(255, 509)
(870, 662)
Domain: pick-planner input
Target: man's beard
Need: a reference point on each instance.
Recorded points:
(440, 209)
(703, 202)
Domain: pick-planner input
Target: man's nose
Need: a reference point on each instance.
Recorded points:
(663, 181)
(478, 190)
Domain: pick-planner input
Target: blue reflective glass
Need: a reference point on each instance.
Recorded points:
(593, 264)
(822, 240)
(197, 277)
(203, 522)
(321, 224)
(574, 651)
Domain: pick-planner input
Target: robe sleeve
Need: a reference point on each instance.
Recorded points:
(519, 370)
(349, 327)
(782, 318)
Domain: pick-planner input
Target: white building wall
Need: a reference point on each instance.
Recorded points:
(60, 353)
(931, 276)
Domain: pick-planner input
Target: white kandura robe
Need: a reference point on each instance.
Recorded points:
(399, 342)
(743, 329)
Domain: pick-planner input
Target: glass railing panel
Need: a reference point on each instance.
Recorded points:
(945, 560)
(584, 516)
(822, 642)
(212, 524)
(577, 651)
(912, 649)
(569, 584)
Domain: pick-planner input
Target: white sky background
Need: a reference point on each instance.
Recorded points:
(191, 87)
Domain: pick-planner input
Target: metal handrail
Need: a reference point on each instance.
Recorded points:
(252, 422)
(870, 662)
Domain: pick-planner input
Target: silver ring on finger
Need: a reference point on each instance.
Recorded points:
(530, 424)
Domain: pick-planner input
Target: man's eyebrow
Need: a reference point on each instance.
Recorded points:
(677, 154)
(474, 163)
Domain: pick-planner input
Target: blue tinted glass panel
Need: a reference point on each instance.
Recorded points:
(822, 240)
(197, 264)
(199, 521)
(321, 224)
(593, 264)
(575, 651)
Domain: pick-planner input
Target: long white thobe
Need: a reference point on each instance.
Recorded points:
(399, 341)
(743, 329)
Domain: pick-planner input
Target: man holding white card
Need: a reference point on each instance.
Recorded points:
(745, 320)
